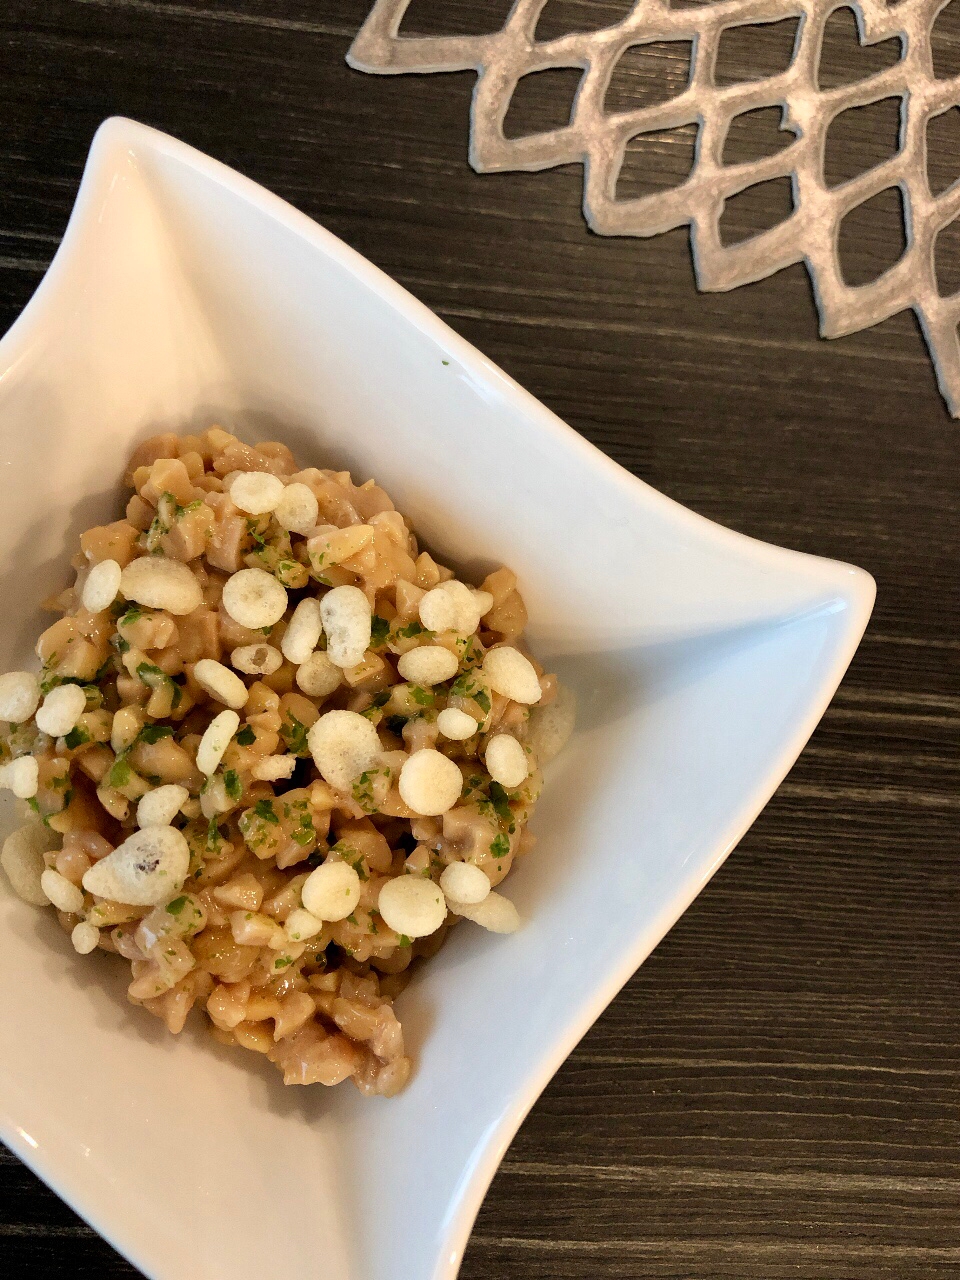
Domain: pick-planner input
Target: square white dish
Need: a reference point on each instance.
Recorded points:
(184, 294)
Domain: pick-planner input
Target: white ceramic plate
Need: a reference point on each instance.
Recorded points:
(184, 294)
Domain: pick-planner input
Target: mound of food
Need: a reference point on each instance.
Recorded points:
(274, 753)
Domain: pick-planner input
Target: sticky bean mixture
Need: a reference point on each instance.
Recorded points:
(274, 753)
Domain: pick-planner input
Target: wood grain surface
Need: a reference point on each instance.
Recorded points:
(775, 1093)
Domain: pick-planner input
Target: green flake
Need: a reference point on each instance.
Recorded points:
(177, 905)
(379, 701)
(246, 737)
(259, 541)
(120, 773)
(411, 630)
(264, 811)
(294, 735)
(151, 733)
(500, 846)
(379, 630)
(362, 790)
(50, 680)
(306, 832)
(34, 804)
(77, 737)
(232, 784)
(213, 836)
(501, 803)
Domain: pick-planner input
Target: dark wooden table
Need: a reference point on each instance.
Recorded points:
(775, 1094)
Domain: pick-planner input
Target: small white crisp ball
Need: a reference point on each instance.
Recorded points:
(159, 807)
(256, 492)
(438, 611)
(19, 696)
(161, 584)
(495, 912)
(332, 891)
(467, 605)
(254, 598)
(215, 740)
(85, 938)
(428, 664)
(412, 905)
(274, 768)
(456, 724)
(465, 883)
(303, 632)
(221, 683)
(101, 587)
(318, 677)
(64, 895)
(257, 659)
(509, 673)
(22, 776)
(61, 709)
(430, 783)
(484, 602)
(298, 509)
(506, 760)
(343, 744)
(347, 619)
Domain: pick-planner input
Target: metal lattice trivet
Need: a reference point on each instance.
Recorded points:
(598, 140)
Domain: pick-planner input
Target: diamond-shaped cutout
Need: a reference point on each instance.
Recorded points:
(946, 259)
(755, 52)
(561, 17)
(647, 74)
(872, 238)
(845, 59)
(756, 134)
(657, 161)
(861, 138)
(945, 42)
(542, 101)
(943, 150)
(454, 18)
(756, 209)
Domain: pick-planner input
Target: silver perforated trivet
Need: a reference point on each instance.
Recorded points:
(598, 140)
